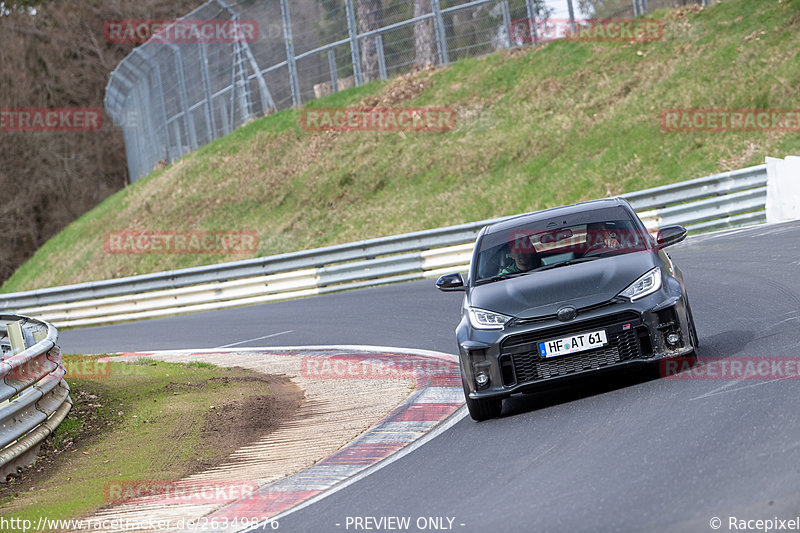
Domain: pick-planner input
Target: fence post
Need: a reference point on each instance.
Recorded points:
(266, 98)
(381, 57)
(150, 136)
(354, 52)
(188, 119)
(178, 138)
(332, 68)
(226, 125)
(507, 22)
(571, 17)
(531, 20)
(267, 102)
(290, 60)
(441, 35)
(162, 100)
(210, 122)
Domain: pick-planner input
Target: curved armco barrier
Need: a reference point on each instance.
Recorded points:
(729, 199)
(435, 398)
(34, 398)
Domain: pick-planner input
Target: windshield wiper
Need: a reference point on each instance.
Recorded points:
(501, 277)
(567, 263)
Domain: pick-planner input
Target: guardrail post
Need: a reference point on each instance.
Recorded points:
(381, 57)
(441, 34)
(354, 52)
(16, 337)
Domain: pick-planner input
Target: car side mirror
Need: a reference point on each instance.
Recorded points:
(451, 282)
(669, 235)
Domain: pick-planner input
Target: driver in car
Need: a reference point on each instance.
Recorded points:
(525, 259)
(599, 237)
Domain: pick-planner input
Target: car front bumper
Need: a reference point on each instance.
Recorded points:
(637, 333)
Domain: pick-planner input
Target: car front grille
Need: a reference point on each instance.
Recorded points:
(583, 326)
(521, 352)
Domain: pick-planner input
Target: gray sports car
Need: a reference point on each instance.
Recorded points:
(563, 292)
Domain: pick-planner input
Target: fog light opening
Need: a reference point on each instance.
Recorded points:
(673, 339)
(482, 379)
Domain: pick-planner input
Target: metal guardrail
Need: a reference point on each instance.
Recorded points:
(34, 398)
(730, 199)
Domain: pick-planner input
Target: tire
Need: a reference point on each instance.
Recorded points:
(483, 409)
(692, 330)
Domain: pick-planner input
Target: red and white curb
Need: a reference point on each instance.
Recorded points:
(435, 403)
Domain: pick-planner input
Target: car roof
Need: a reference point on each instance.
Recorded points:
(566, 210)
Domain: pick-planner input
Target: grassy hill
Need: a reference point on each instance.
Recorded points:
(535, 128)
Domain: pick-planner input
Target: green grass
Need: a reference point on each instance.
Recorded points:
(535, 128)
(146, 421)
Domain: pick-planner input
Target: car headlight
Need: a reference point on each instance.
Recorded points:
(482, 319)
(647, 284)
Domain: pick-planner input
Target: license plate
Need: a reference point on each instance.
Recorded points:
(573, 344)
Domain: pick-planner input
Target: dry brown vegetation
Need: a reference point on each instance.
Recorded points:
(59, 58)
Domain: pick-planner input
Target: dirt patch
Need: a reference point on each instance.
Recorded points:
(401, 89)
(232, 423)
(238, 422)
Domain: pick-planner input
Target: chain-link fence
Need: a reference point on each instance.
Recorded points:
(199, 80)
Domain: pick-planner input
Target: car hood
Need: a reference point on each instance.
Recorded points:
(580, 285)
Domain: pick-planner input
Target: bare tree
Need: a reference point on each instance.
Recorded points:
(56, 57)
(423, 35)
(370, 17)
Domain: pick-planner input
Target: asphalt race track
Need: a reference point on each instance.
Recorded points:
(625, 453)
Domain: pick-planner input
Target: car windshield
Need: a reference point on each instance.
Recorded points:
(557, 242)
